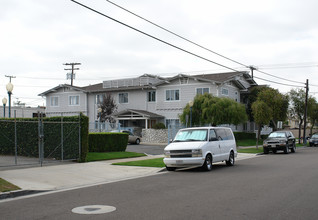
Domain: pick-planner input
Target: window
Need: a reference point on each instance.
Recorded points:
(213, 136)
(201, 91)
(225, 91)
(54, 101)
(99, 99)
(123, 97)
(172, 95)
(151, 96)
(73, 100)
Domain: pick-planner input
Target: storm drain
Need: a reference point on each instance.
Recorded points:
(93, 209)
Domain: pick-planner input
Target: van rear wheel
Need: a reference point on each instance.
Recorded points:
(207, 166)
(231, 160)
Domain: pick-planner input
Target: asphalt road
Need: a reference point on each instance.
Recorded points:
(275, 186)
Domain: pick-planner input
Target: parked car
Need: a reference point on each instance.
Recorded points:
(280, 140)
(202, 146)
(313, 140)
(132, 139)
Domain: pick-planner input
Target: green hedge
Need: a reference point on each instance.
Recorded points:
(107, 142)
(28, 137)
(159, 126)
(244, 135)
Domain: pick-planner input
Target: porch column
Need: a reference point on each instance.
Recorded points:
(146, 123)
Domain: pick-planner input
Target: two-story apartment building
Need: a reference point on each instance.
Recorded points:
(148, 99)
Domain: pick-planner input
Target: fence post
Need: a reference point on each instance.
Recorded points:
(169, 128)
(15, 139)
(62, 138)
(41, 136)
(79, 136)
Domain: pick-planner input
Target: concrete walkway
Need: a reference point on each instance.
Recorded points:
(76, 175)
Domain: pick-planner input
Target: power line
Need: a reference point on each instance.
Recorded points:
(277, 82)
(151, 36)
(175, 34)
(279, 77)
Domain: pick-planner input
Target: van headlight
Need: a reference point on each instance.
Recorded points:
(166, 153)
(197, 153)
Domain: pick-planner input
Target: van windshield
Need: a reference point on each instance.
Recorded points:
(191, 135)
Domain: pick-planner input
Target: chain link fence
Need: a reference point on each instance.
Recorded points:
(39, 140)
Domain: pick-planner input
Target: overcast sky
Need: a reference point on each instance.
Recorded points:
(280, 37)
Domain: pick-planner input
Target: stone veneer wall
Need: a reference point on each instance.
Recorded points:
(155, 135)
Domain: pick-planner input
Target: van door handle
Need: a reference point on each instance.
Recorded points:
(219, 146)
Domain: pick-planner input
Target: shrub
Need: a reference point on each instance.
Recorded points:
(107, 142)
(27, 137)
(159, 126)
(244, 135)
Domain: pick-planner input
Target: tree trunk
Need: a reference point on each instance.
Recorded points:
(274, 125)
(299, 131)
(258, 134)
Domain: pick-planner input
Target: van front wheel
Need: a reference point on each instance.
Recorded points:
(207, 163)
(231, 160)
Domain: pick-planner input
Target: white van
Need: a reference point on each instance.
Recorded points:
(200, 146)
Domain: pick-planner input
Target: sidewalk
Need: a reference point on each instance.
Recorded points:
(76, 175)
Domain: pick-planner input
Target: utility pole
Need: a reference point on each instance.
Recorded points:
(10, 77)
(252, 68)
(305, 116)
(72, 74)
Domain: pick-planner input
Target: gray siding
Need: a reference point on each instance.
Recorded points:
(63, 101)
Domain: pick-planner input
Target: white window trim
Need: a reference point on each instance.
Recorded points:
(69, 100)
(227, 91)
(127, 98)
(165, 96)
(201, 88)
(58, 102)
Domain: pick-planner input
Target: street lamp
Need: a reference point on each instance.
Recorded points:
(9, 89)
(4, 102)
(191, 105)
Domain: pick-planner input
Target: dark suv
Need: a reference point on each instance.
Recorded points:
(280, 140)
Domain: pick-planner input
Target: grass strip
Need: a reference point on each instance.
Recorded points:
(251, 150)
(5, 186)
(97, 156)
(157, 162)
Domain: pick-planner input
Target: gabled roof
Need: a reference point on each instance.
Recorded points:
(217, 78)
(76, 88)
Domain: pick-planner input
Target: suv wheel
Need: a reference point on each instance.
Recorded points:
(293, 149)
(286, 150)
(265, 149)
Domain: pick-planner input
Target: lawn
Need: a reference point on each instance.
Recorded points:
(251, 150)
(248, 142)
(96, 156)
(5, 186)
(157, 162)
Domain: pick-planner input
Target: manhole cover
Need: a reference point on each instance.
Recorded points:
(93, 209)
